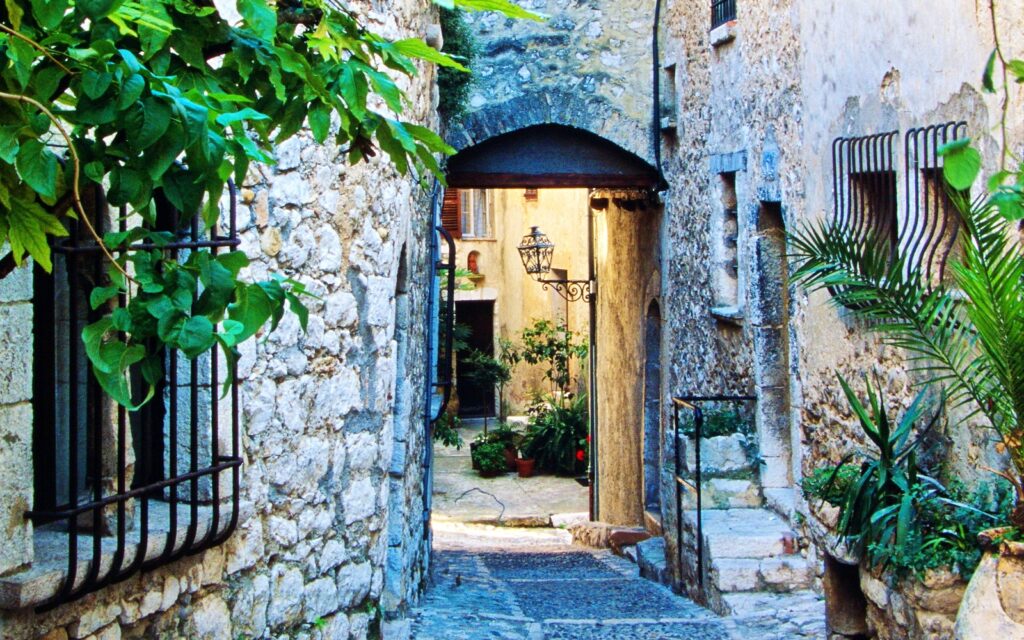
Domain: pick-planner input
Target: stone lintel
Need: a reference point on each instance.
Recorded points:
(734, 162)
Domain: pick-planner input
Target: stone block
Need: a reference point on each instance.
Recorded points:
(722, 454)
(736, 574)
(788, 573)
(17, 286)
(15, 353)
(211, 619)
(320, 598)
(353, 583)
(286, 596)
(396, 630)
(15, 486)
(620, 538)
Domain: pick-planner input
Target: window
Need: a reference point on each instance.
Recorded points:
(530, 195)
(475, 212)
(933, 223)
(865, 188)
(726, 233)
(451, 220)
(722, 11)
(123, 491)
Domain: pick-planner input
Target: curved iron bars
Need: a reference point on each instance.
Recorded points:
(570, 290)
(693, 403)
(159, 474)
(933, 224)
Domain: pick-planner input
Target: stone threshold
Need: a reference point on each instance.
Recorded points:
(43, 579)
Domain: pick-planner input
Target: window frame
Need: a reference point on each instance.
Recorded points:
(188, 505)
(468, 199)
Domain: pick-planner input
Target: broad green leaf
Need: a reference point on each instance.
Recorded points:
(15, 13)
(9, 144)
(241, 115)
(235, 261)
(259, 17)
(100, 295)
(196, 336)
(29, 225)
(252, 308)
(37, 166)
(962, 163)
(98, 8)
(92, 338)
(505, 7)
(320, 122)
(95, 83)
(1016, 69)
(156, 118)
(131, 90)
(986, 77)
(48, 13)
(416, 48)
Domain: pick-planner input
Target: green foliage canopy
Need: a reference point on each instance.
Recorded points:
(176, 97)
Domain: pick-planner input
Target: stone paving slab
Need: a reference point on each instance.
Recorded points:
(462, 494)
(533, 584)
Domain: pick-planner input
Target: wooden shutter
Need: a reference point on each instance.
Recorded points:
(451, 214)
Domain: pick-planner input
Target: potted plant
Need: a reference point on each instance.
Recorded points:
(557, 436)
(509, 437)
(489, 458)
(525, 466)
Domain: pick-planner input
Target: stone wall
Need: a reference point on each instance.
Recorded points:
(332, 535)
(757, 104)
(587, 66)
(628, 255)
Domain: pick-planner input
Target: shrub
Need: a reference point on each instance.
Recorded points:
(557, 435)
(490, 457)
(831, 484)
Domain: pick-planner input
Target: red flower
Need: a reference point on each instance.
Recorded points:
(588, 438)
(580, 455)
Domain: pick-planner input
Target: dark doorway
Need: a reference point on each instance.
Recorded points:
(652, 411)
(476, 400)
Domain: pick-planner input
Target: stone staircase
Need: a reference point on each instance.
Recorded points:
(752, 550)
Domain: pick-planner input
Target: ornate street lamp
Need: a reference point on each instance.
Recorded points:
(536, 250)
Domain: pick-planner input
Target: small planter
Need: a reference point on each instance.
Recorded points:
(510, 457)
(524, 467)
(993, 605)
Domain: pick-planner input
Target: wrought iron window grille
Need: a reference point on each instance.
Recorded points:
(125, 492)
(722, 11)
(933, 223)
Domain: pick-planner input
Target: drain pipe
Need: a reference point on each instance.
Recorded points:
(656, 108)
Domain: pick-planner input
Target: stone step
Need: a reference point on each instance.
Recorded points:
(650, 557)
(745, 533)
(727, 493)
(776, 574)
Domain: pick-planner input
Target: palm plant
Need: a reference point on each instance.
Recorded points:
(969, 337)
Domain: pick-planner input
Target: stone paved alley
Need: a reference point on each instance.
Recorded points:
(492, 582)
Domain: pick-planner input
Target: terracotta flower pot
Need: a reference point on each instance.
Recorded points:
(510, 457)
(524, 467)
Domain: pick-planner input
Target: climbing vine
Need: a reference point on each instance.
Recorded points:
(171, 99)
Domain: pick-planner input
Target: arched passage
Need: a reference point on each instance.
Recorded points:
(621, 255)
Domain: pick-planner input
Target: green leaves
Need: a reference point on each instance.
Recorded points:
(37, 166)
(259, 17)
(962, 163)
(505, 7)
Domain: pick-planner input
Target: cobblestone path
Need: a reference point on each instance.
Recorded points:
(495, 583)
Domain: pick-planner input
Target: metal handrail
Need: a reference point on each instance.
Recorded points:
(691, 403)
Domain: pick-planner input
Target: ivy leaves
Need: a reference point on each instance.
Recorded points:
(168, 100)
(190, 306)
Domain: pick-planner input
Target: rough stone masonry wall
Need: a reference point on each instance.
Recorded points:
(332, 435)
(587, 66)
(736, 105)
(764, 98)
